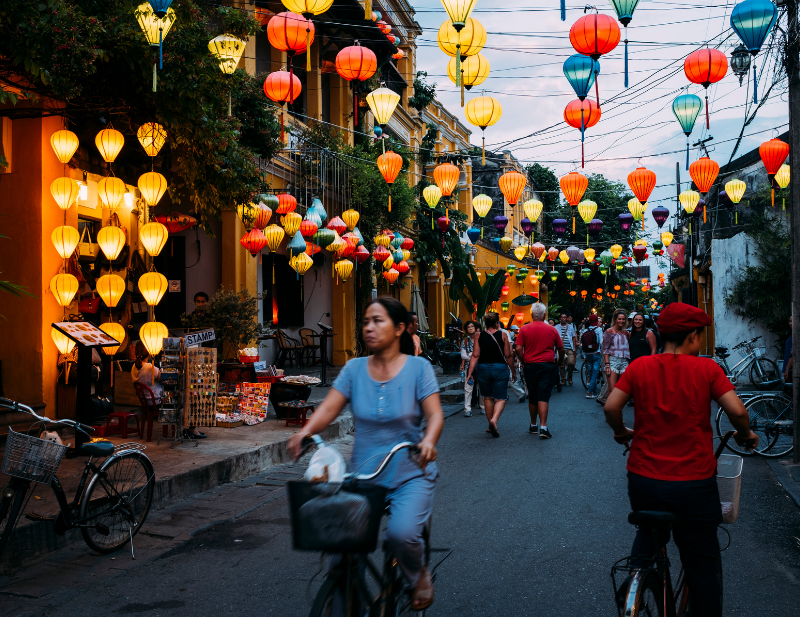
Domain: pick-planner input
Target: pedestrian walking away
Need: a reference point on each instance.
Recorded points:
(570, 341)
(471, 389)
(534, 347)
(514, 384)
(390, 392)
(493, 359)
(616, 351)
(672, 466)
(590, 345)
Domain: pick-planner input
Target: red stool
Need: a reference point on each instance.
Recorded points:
(123, 417)
(300, 412)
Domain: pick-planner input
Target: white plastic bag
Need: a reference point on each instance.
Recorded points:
(327, 465)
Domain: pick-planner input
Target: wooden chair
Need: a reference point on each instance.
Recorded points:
(149, 408)
(310, 346)
(289, 349)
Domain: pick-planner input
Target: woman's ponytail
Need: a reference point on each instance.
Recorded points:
(406, 343)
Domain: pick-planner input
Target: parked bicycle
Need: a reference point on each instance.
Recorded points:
(771, 418)
(764, 373)
(349, 526)
(111, 502)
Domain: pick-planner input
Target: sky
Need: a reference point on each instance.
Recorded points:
(526, 46)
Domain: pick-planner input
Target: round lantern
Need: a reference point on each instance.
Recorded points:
(574, 185)
(666, 237)
(552, 253)
(505, 243)
(301, 263)
(391, 275)
(532, 209)
(639, 253)
(153, 286)
(560, 226)
(782, 178)
(403, 267)
(537, 250)
(286, 203)
(291, 223)
(274, 235)
(462, 42)
(703, 172)
(153, 237)
(483, 111)
(500, 223)
(308, 228)
(350, 218)
(689, 200)
(381, 254)
(111, 241)
(446, 177)
(282, 86)
(308, 7)
(64, 144)
(705, 67)
(382, 103)
(637, 208)
(65, 239)
(152, 136)
(110, 288)
(64, 344)
(152, 186)
(262, 216)
(65, 192)
(474, 70)
(390, 164)
(111, 192)
(482, 204)
(254, 240)
(290, 32)
(152, 334)
(594, 228)
(594, 35)
(773, 153)
(642, 182)
(337, 225)
(587, 209)
(356, 63)
(109, 142)
(735, 190)
(582, 114)
(512, 183)
(115, 331)
(520, 252)
(64, 287)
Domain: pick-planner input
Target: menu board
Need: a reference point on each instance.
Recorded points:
(86, 334)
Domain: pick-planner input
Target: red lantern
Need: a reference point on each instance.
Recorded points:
(773, 153)
(383, 26)
(403, 267)
(407, 245)
(282, 87)
(705, 67)
(640, 253)
(337, 225)
(552, 253)
(642, 182)
(593, 36)
(356, 63)
(512, 183)
(505, 289)
(254, 241)
(399, 54)
(361, 254)
(389, 165)
(312, 249)
(582, 115)
(308, 228)
(286, 203)
(703, 172)
(176, 222)
(537, 249)
(446, 178)
(443, 223)
(520, 317)
(391, 38)
(290, 32)
(381, 254)
(352, 240)
(584, 293)
(391, 275)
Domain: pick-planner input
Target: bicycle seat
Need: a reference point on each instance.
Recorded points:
(721, 350)
(643, 517)
(97, 448)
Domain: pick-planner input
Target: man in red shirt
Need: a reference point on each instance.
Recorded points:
(671, 467)
(534, 347)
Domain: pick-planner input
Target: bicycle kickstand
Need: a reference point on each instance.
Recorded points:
(130, 531)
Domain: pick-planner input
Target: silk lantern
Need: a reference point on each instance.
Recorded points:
(637, 209)
(752, 20)
(109, 142)
(482, 204)
(705, 67)
(64, 344)
(282, 87)
(461, 42)
(254, 240)
(290, 32)
(582, 115)
(152, 186)
(156, 19)
(624, 10)
(474, 71)
(686, 108)
(308, 228)
(660, 215)
(111, 192)
(291, 223)
(642, 182)
(152, 286)
(286, 203)
(65, 239)
(625, 221)
(356, 63)
(391, 275)
(703, 172)
(574, 185)
(64, 144)
(115, 331)
(512, 184)
(382, 103)
(782, 178)
(666, 237)
(483, 111)
(153, 237)
(111, 241)
(110, 288)
(64, 191)
(301, 263)
(773, 153)
(581, 72)
(152, 334)
(390, 164)
(227, 50)
(64, 287)
(505, 244)
(446, 177)
(689, 200)
(350, 218)
(152, 137)
(589, 254)
(274, 235)
(594, 35)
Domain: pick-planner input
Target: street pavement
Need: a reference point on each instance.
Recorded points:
(535, 526)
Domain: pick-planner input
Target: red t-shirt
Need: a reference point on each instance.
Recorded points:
(672, 415)
(537, 340)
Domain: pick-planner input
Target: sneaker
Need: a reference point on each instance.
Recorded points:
(589, 395)
(483, 412)
(467, 413)
(544, 433)
(533, 429)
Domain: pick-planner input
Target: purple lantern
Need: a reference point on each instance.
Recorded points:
(698, 211)
(560, 226)
(500, 223)
(573, 252)
(625, 221)
(726, 201)
(527, 226)
(581, 257)
(595, 227)
(660, 214)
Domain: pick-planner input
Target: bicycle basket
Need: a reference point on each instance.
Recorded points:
(335, 518)
(729, 481)
(31, 458)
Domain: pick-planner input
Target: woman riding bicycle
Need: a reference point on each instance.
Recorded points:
(390, 393)
(672, 467)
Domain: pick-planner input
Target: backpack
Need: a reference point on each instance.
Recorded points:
(589, 342)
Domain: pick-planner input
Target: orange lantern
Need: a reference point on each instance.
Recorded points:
(286, 203)
(291, 33)
(552, 253)
(584, 293)
(593, 36)
(391, 275)
(642, 182)
(446, 177)
(705, 67)
(403, 267)
(773, 153)
(282, 87)
(573, 293)
(308, 228)
(582, 115)
(573, 185)
(254, 241)
(512, 183)
(312, 249)
(356, 63)
(389, 165)
(703, 172)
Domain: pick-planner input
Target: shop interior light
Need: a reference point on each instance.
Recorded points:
(128, 199)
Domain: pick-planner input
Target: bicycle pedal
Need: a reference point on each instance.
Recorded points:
(33, 516)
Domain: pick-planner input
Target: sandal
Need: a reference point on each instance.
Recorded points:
(493, 431)
(422, 596)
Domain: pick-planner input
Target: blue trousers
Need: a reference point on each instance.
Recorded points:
(410, 507)
(593, 360)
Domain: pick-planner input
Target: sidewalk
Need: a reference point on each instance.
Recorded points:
(788, 475)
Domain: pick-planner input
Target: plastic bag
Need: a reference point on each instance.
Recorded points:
(327, 465)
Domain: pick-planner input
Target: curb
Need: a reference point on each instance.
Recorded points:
(789, 484)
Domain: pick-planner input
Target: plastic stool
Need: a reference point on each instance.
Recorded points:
(124, 417)
(300, 412)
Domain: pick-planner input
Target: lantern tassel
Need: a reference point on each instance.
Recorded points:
(687, 154)
(308, 50)
(458, 66)
(229, 103)
(773, 198)
(462, 90)
(390, 199)
(155, 79)
(626, 56)
(708, 121)
(368, 9)
(161, 49)
(755, 85)
(282, 135)
(563, 10)
(573, 223)
(596, 88)
(483, 154)
(582, 131)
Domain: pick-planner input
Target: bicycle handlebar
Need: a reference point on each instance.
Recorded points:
(316, 440)
(14, 405)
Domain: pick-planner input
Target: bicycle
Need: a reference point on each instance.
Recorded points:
(764, 373)
(771, 418)
(647, 589)
(109, 507)
(346, 590)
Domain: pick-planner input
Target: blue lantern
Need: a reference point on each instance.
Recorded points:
(319, 210)
(377, 130)
(625, 9)
(752, 20)
(473, 233)
(160, 7)
(581, 72)
(686, 109)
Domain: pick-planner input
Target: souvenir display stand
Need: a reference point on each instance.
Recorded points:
(201, 386)
(173, 362)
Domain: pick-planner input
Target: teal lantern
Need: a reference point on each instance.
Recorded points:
(752, 20)
(297, 245)
(657, 245)
(397, 241)
(606, 258)
(510, 268)
(570, 275)
(523, 271)
(554, 275)
(581, 72)
(520, 277)
(686, 109)
(625, 9)
(540, 274)
(586, 273)
(318, 209)
(397, 256)
(358, 235)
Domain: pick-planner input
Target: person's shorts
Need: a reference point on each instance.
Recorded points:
(540, 377)
(618, 365)
(493, 380)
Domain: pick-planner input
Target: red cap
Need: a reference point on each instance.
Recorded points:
(592, 318)
(680, 317)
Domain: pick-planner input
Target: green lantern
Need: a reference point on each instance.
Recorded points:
(606, 258)
(524, 271)
(520, 277)
(553, 275)
(657, 245)
(510, 268)
(504, 306)
(570, 275)
(540, 274)
(620, 267)
(586, 273)
(603, 270)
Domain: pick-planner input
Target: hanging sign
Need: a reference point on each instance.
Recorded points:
(196, 338)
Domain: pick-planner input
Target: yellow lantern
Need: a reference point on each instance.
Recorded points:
(640, 242)
(406, 255)
(65, 239)
(64, 288)
(350, 218)
(389, 263)
(343, 269)
(382, 240)
(615, 249)
(689, 200)
(637, 208)
(382, 103)
(64, 191)
(301, 263)
(111, 191)
(782, 178)
(111, 241)
(532, 209)
(64, 144)
(666, 238)
(463, 41)
(563, 257)
(153, 237)
(228, 50)
(152, 286)
(505, 243)
(151, 25)
(115, 331)
(152, 137)
(520, 252)
(152, 334)
(291, 223)
(152, 186)
(474, 70)
(337, 245)
(482, 204)
(307, 7)
(543, 256)
(109, 142)
(483, 111)
(62, 341)
(588, 254)
(110, 288)
(274, 235)
(432, 195)
(248, 213)
(587, 209)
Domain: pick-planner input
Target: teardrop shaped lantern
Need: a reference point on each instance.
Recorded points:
(483, 111)
(686, 108)
(152, 186)
(637, 209)
(391, 275)
(153, 237)
(152, 136)
(574, 185)
(110, 288)
(111, 241)
(446, 177)
(482, 204)
(64, 287)
(666, 237)
(343, 268)
(301, 263)
(382, 103)
(152, 286)
(689, 200)
(64, 144)
(582, 115)
(589, 254)
(152, 334)
(109, 142)
(505, 244)
(660, 215)
(65, 239)
(773, 154)
(533, 209)
(703, 172)
(262, 217)
(254, 240)
(625, 221)
(115, 331)
(65, 191)
(286, 203)
(274, 235)
(111, 192)
(642, 182)
(752, 20)
(594, 35)
(512, 184)
(594, 228)
(390, 164)
(291, 223)
(308, 228)
(705, 67)
(296, 246)
(64, 344)
(587, 209)
(432, 194)
(580, 71)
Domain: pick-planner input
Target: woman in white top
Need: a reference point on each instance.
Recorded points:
(467, 345)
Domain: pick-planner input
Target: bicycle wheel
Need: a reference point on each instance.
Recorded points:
(771, 420)
(585, 375)
(764, 373)
(723, 426)
(650, 597)
(10, 507)
(117, 501)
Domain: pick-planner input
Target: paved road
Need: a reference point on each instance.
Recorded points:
(536, 526)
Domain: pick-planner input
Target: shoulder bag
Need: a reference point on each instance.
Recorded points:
(87, 250)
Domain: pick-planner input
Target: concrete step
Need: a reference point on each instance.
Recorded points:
(450, 397)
